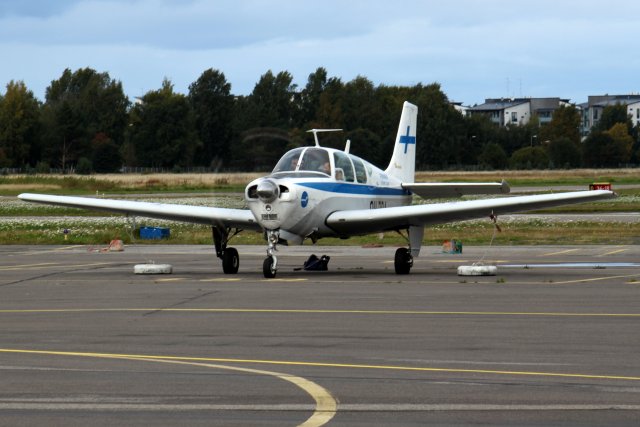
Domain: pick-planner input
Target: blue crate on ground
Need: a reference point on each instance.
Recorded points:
(151, 233)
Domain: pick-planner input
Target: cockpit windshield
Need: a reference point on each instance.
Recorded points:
(305, 159)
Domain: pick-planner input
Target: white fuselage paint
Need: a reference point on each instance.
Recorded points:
(300, 211)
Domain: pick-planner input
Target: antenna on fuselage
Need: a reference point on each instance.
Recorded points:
(347, 146)
(315, 133)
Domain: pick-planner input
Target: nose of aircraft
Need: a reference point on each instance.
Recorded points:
(267, 191)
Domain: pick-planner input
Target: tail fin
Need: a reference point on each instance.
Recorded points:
(403, 161)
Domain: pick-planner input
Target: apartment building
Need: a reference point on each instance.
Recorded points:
(518, 111)
(593, 108)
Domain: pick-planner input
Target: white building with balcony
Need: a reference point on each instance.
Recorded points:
(518, 111)
(593, 108)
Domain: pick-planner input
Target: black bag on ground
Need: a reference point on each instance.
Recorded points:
(317, 264)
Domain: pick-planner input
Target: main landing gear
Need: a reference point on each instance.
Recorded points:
(270, 264)
(403, 260)
(229, 256)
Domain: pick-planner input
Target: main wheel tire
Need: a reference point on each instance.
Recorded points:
(267, 268)
(403, 261)
(230, 261)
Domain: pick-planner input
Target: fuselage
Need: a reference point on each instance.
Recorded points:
(310, 183)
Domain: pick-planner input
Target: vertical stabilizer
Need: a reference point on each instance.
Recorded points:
(403, 161)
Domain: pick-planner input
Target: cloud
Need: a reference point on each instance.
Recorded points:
(192, 25)
(475, 49)
(34, 8)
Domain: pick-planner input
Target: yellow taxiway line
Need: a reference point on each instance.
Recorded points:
(25, 266)
(566, 251)
(612, 252)
(310, 311)
(51, 265)
(325, 365)
(595, 279)
(38, 252)
(326, 404)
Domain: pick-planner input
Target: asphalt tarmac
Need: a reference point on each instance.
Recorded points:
(551, 340)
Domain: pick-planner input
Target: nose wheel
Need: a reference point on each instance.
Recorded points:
(269, 267)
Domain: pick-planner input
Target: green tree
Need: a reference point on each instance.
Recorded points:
(19, 125)
(602, 149)
(493, 156)
(480, 132)
(270, 104)
(612, 114)
(365, 144)
(359, 105)
(529, 158)
(329, 112)
(564, 153)
(63, 136)
(163, 131)
(565, 123)
(309, 99)
(441, 133)
(264, 121)
(635, 152)
(106, 154)
(212, 103)
(622, 142)
(514, 137)
(84, 166)
(78, 106)
(4, 160)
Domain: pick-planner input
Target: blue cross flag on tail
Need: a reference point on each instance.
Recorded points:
(407, 139)
(403, 161)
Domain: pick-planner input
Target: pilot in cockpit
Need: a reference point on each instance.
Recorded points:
(325, 168)
(294, 163)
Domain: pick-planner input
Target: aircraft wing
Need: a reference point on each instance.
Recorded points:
(221, 217)
(430, 190)
(365, 221)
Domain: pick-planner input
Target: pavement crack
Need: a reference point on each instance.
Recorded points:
(55, 273)
(180, 303)
(28, 279)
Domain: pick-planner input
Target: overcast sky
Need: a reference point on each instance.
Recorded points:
(474, 49)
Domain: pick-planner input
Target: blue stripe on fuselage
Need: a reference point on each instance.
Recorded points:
(345, 188)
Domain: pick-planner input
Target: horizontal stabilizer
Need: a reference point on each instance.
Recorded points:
(432, 190)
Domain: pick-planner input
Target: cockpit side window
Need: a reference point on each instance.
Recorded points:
(361, 174)
(289, 162)
(342, 162)
(317, 160)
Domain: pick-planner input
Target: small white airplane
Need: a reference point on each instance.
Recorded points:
(316, 192)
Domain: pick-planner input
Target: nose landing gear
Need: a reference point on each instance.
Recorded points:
(270, 264)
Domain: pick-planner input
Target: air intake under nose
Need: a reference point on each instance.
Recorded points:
(267, 191)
